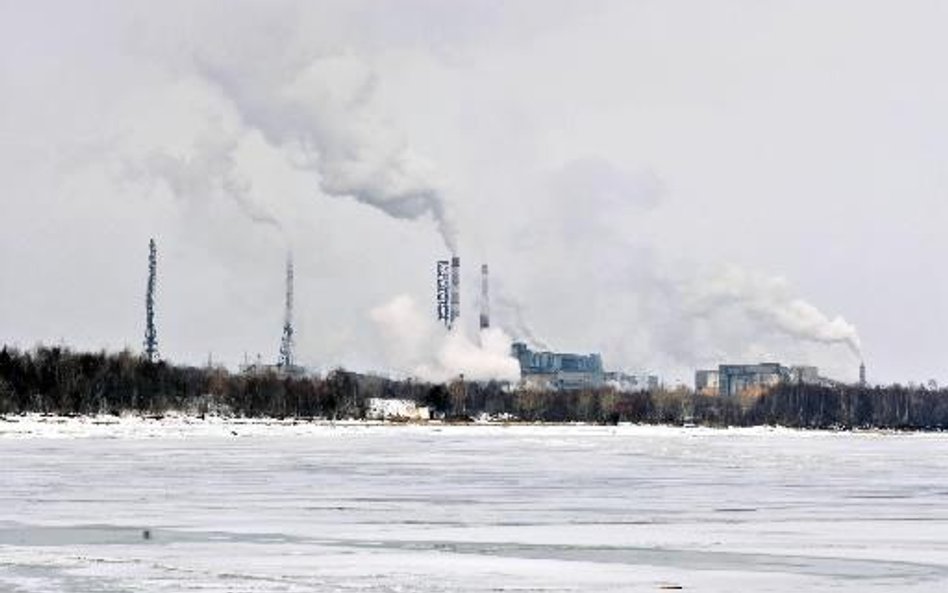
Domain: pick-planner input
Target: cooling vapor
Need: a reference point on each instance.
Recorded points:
(417, 344)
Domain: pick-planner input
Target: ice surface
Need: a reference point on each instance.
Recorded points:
(283, 506)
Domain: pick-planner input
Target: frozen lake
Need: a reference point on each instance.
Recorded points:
(251, 507)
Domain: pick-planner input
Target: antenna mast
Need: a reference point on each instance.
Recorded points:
(151, 336)
(286, 344)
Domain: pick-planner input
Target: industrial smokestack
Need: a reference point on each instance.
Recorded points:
(862, 374)
(455, 290)
(485, 299)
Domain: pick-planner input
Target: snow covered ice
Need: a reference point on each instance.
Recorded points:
(280, 506)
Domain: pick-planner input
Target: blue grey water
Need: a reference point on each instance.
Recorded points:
(253, 508)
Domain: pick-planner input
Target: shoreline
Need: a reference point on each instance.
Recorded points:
(137, 426)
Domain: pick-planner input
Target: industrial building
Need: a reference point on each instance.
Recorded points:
(566, 371)
(752, 379)
(707, 382)
(558, 370)
(538, 369)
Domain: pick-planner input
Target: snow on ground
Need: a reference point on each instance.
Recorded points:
(260, 506)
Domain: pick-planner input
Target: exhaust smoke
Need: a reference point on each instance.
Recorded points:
(322, 112)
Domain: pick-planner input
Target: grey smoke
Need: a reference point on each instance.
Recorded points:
(210, 170)
(590, 247)
(239, 191)
(770, 303)
(607, 186)
(512, 313)
(321, 111)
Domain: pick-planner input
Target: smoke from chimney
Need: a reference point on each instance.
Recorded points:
(323, 111)
(513, 319)
(770, 302)
(208, 171)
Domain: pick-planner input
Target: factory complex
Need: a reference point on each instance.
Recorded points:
(565, 371)
(753, 380)
(540, 369)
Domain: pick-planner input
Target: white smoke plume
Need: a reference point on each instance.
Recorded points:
(512, 316)
(419, 346)
(322, 111)
(771, 303)
(209, 171)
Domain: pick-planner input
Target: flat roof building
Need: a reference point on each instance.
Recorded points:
(753, 379)
(558, 370)
(707, 382)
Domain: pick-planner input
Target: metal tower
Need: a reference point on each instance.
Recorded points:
(151, 336)
(286, 360)
(443, 291)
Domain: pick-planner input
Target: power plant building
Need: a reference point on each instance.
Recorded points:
(557, 370)
(749, 379)
(730, 380)
(707, 382)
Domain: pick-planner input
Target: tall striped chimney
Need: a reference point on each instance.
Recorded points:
(485, 299)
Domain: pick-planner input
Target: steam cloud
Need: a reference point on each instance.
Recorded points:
(770, 302)
(418, 345)
(323, 112)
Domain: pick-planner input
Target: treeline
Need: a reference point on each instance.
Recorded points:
(59, 381)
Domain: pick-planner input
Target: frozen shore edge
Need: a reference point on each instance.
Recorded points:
(176, 425)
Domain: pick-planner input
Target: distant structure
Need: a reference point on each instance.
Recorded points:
(707, 382)
(443, 292)
(862, 374)
(151, 334)
(557, 370)
(564, 371)
(730, 380)
(286, 360)
(485, 299)
(455, 290)
(396, 409)
(449, 291)
(806, 375)
(631, 382)
(752, 379)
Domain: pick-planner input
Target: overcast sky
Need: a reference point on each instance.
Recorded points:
(674, 184)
